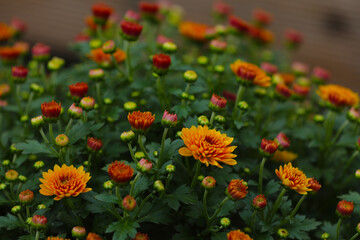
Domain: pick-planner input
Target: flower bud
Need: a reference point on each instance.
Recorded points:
(217, 46)
(169, 47)
(19, 74)
(139, 155)
(101, 13)
(107, 101)
(282, 140)
(320, 75)
(237, 189)
(41, 206)
(109, 47)
(268, 147)
(178, 134)
(97, 74)
(141, 236)
(144, 165)
(94, 144)
(38, 222)
(243, 106)
(132, 16)
(130, 30)
(208, 182)
(108, 185)
(190, 76)
(259, 202)
(61, 140)
(128, 136)
(130, 106)
(129, 203)
(344, 208)
(95, 43)
(269, 68)
(315, 186)
(11, 175)
(26, 197)
(357, 174)
(78, 232)
(3, 186)
(24, 118)
(55, 64)
(6, 163)
(40, 52)
(283, 233)
(200, 178)
(161, 63)
(75, 112)
(16, 209)
(202, 60)
(28, 221)
(225, 222)
(203, 120)
(78, 90)
(219, 69)
(159, 186)
(184, 95)
(325, 236)
(39, 164)
(353, 115)
(169, 120)
(282, 92)
(170, 168)
(87, 103)
(217, 103)
(51, 111)
(319, 118)
(14, 150)
(220, 119)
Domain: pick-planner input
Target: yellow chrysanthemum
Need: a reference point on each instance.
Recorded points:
(337, 95)
(250, 73)
(238, 235)
(66, 181)
(284, 156)
(293, 178)
(208, 146)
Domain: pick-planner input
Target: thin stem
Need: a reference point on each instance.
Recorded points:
(29, 102)
(355, 236)
(261, 174)
(212, 118)
(71, 205)
(219, 208)
(22, 220)
(99, 32)
(37, 235)
(98, 95)
(46, 140)
(117, 191)
(353, 156)
(14, 158)
(160, 159)
(205, 207)
(68, 126)
(338, 229)
(329, 124)
(51, 133)
(142, 147)
(239, 96)
(27, 211)
(338, 133)
(132, 153)
(252, 221)
(276, 205)
(128, 61)
(89, 161)
(297, 206)
(85, 116)
(142, 204)
(183, 101)
(133, 184)
(160, 91)
(17, 96)
(117, 65)
(197, 171)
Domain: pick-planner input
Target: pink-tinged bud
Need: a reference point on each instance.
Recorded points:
(130, 30)
(217, 103)
(161, 63)
(300, 68)
(269, 68)
(161, 39)
(168, 119)
(26, 197)
(268, 147)
(210, 32)
(19, 74)
(40, 52)
(144, 165)
(129, 203)
(293, 39)
(78, 232)
(128, 136)
(78, 90)
(75, 112)
(229, 95)
(19, 25)
(11, 175)
(101, 13)
(87, 103)
(94, 144)
(315, 186)
(261, 17)
(282, 140)
(37, 121)
(62, 140)
(320, 75)
(259, 202)
(357, 174)
(353, 114)
(345, 208)
(218, 46)
(97, 74)
(109, 47)
(38, 222)
(282, 91)
(141, 236)
(208, 182)
(221, 9)
(300, 92)
(132, 16)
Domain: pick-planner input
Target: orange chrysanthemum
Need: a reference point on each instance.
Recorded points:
(4, 89)
(293, 178)
(238, 235)
(237, 189)
(66, 181)
(103, 59)
(93, 236)
(57, 238)
(120, 173)
(250, 73)
(337, 95)
(208, 146)
(140, 121)
(284, 156)
(6, 32)
(9, 53)
(194, 31)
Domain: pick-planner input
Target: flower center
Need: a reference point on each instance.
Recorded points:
(210, 139)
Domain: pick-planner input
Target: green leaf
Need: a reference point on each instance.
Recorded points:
(158, 215)
(182, 194)
(181, 111)
(142, 184)
(9, 222)
(105, 197)
(351, 196)
(123, 229)
(32, 147)
(301, 226)
(219, 236)
(81, 130)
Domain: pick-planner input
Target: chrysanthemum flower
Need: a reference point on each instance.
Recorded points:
(282, 91)
(64, 181)
(250, 74)
(237, 189)
(207, 146)
(345, 208)
(140, 121)
(6, 32)
(51, 110)
(101, 13)
(9, 54)
(78, 90)
(141, 236)
(130, 30)
(93, 236)
(40, 52)
(238, 235)
(337, 95)
(103, 59)
(284, 156)
(293, 178)
(315, 186)
(56, 238)
(119, 172)
(194, 31)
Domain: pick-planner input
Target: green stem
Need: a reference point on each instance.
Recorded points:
(27, 211)
(98, 95)
(183, 101)
(132, 153)
(117, 65)
(142, 147)
(46, 140)
(37, 235)
(261, 174)
(252, 221)
(17, 96)
(239, 96)
(68, 126)
(14, 158)
(219, 208)
(128, 61)
(212, 118)
(133, 184)
(355, 236)
(348, 164)
(329, 125)
(160, 92)
(29, 102)
(99, 32)
(167, 183)
(85, 116)
(117, 191)
(160, 159)
(205, 207)
(297, 206)
(89, 161)
(142, 204)
(276, 205)
(197, 171)
(22, 221)
(71, 205)
(51, 133)
(338, 229)
(338, 133)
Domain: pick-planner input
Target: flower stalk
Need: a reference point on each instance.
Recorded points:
(261, 171)
(276, 206)
(161, 155)
(239, 95)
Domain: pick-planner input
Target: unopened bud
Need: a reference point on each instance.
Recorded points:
(11, 175)
(208, 182)
(3, 186)
(283, 233)
(78, 232)
(39, 164)
(139, 155)
(220, 119)
(225, 222)
(24, 118)
(41, 206)
(6, 163)
(16, 209)
(155, 153)
(109, 47)
(22, 178)
(95, 43)
(130, 106)
(38, 222)
(203, 120)
(169, 47)
(61, 140)
(219, 69)
(107, 101)
(202, 60)
(244, 106)
(319, 118)
(159, 186)
(127, 136)
(144, 165)
(184, 95)
(170, 168)
(190, 76)
(357, 173)
(97, 74)
(129, 203)
(325, 236)
(108, 185)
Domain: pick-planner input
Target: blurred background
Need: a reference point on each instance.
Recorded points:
(331, 28)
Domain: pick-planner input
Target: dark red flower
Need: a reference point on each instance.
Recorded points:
(130, 30)
(161, 63)
(51, 110)
(101, 13)
(78, 90)
(94, 144)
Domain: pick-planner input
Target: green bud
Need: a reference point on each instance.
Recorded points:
(247, 230)
(301, 111)
(244, 106)
(260, 92)
(108, 185)
(15, 209)
(22, 178)
(107, 101)
(170, 168)
(39, 164)
(203, 60)
(35, 87)
(191, 97)
(3, 186)
(32, 157)
(283, 233)
(127, 136)
(25, 95)
(178, 134)
(357, 174)
(184, 95)
(220, 119)
(41, 206)
(135, 94)
(169, 47)
(109, 47)
(28, 220)
(247, 170)
(55, 63)
(190, 76)
(6, 163)
(142, 102)
(130, 106)
(86, 163)
(325, 236)
(205, 95)
(200, 178)
(110, 119)
(219, 69)
(155, 153)
(95, 43)
(225, 222)
(319, 118)
(24, 118)
(203, 120)
(159, 186)
(139, 155)
(38, 121)
(62, 140)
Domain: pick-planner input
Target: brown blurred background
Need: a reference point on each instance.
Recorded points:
(331, 27)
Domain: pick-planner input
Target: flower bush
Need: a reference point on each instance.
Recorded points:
(172, 129)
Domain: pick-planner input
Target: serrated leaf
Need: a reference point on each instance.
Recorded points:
(9, 222)
(182, 194)
(141, 184)
(159, 215)
(81, 130)
(123, 229)
(32, 147)
(301, 226)
(105, 197)
(181, 111)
